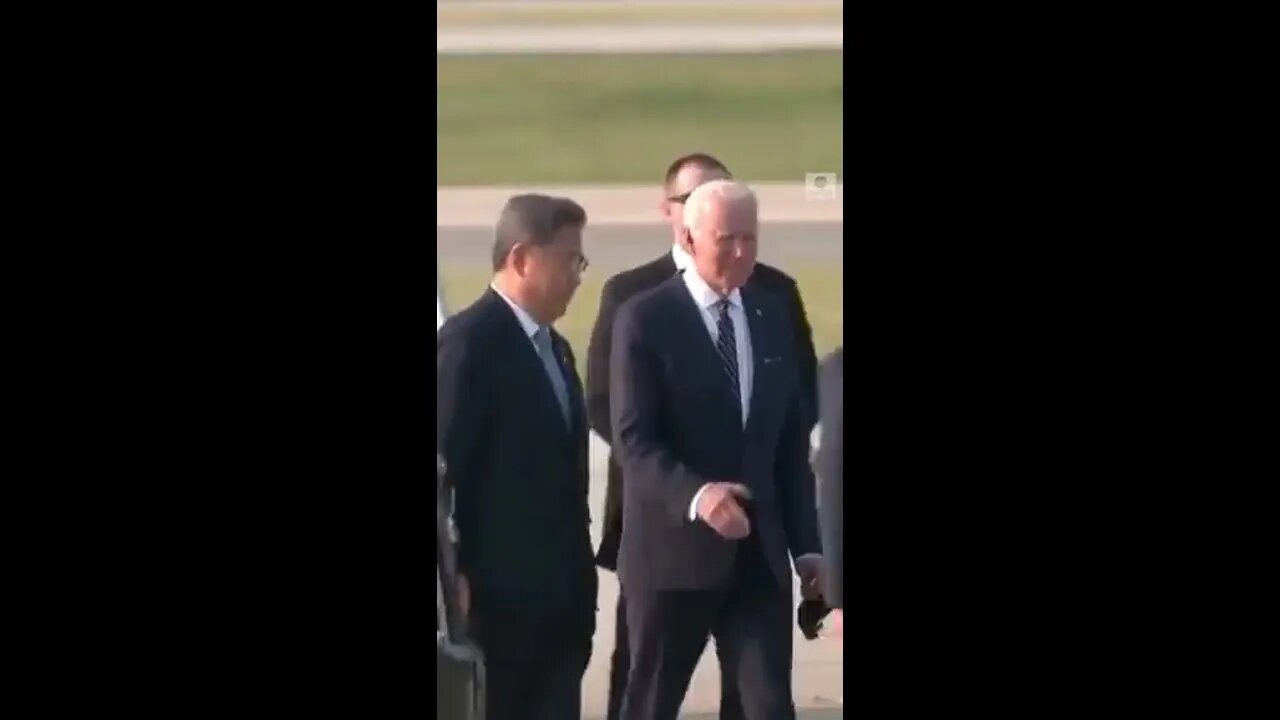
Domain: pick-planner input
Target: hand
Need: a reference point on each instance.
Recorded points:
(834, 626)
(718, 507)
(809, 568)
(464, 595)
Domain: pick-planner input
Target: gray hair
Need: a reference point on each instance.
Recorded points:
(727, 192)
(533, 219)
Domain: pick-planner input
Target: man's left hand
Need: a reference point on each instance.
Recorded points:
(809, 569)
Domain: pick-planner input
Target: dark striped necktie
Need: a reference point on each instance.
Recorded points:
(727, 346)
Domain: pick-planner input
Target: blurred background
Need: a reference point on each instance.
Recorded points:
(556, 93)
(593, 99)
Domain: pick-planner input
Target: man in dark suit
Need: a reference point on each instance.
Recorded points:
(511, 423)
(829, 465)
(710, 427)
(683, 175)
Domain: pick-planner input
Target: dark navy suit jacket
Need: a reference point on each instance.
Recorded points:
(677, 425)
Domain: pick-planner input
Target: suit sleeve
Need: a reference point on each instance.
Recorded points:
(598, 350)
(806, 354)
(647, 462)
(461, 404)
(830, 467)
(796, 478)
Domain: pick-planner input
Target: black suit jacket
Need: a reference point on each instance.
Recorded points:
(520, 475)
(677, 425)
(829, 464)
(628, 284)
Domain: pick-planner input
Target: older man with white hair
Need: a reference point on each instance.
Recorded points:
(710, 428)
(683, 175)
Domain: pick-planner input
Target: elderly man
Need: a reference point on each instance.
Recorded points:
(711, 428)
(683, 175)
(511, 424)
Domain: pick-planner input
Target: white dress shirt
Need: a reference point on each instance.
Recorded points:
(706, 298)
(683, 260)
(441, 315)
(527, 322)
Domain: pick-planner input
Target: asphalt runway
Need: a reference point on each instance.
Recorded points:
(729, 37)
(570, 4)
(613, 248)
(632, 39)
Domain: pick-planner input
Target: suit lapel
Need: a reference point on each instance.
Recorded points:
(572, 384)
(665, 265)
(690, 316)
(527, 354)
(703, 356)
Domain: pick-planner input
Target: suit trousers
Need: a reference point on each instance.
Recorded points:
(533, 664)
(750, 620)
(620, 667)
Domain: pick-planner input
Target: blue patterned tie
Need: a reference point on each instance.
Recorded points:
(727, 347)
(542, 338)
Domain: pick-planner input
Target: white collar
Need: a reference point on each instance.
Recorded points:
(526, 320)
(682, 259)
(702, 293)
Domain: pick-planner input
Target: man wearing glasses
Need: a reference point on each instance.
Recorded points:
(512, 426)
(683, 176)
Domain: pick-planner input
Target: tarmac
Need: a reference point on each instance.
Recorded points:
(647, 39)
(818, 200)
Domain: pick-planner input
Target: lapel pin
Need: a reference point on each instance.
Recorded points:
(758, 313)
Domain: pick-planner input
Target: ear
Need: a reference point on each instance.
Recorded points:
(664, 207)
(686, 240)
(519, 258)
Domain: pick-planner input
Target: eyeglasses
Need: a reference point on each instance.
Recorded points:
(681, 199)
(577, 260)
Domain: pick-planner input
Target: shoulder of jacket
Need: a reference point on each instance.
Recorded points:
(634, 279)
(467, 325)
(772, 276)
(641, 303)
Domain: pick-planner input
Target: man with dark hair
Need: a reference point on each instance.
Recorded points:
(682, 177)
(702, 161)
(511, 424)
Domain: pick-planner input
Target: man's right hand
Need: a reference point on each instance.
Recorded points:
(834, 627)
(718, 507)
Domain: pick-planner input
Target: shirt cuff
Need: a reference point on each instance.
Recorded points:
(693, 506)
